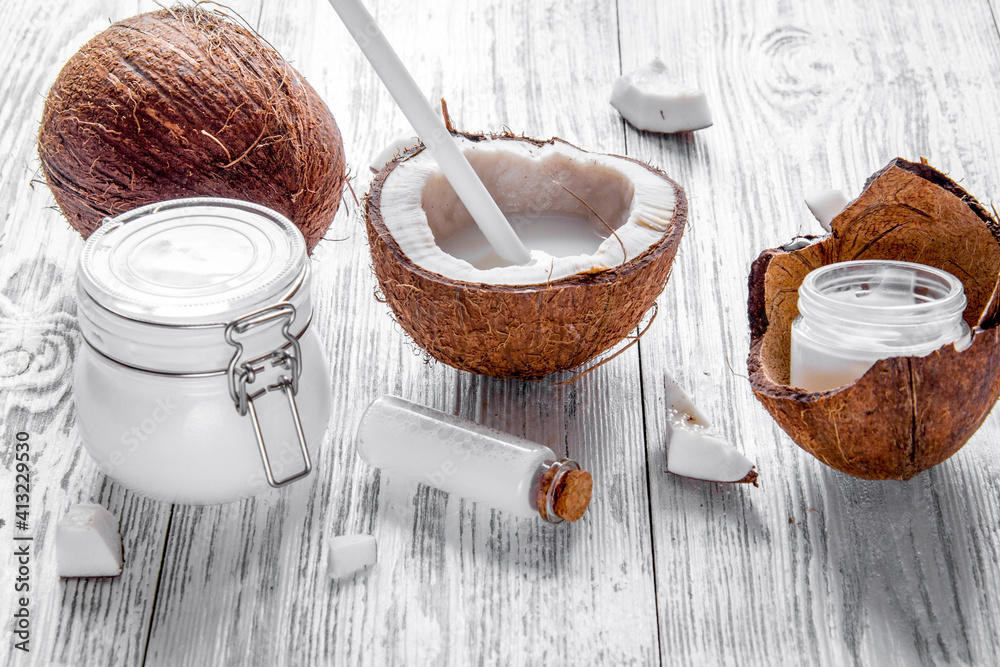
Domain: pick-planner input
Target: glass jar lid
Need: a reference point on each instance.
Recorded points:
(881, 308)
(881, 293)
(157, 286)
(192, 262)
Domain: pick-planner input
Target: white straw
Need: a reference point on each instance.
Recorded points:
(431, 131)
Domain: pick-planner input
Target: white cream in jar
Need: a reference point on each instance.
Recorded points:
(200, 378)
(852, 314)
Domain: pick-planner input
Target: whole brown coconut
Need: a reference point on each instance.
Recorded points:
(905, 414)
(187, 102)
(526, 330)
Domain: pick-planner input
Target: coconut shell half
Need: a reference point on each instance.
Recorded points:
(525, 330)
(905, 414)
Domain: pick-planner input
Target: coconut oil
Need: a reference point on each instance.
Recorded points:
(852, 314)
(558, 235)
(200, 378)
(460, 457)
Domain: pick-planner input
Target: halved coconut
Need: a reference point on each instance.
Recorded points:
(602, 229)
(905, 414)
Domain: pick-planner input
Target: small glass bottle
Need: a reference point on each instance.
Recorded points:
(851, 314)
(472, 461)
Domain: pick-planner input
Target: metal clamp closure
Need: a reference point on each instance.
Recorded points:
(241, 375)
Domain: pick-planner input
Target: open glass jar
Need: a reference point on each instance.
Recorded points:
(851, 314)
(200, 378)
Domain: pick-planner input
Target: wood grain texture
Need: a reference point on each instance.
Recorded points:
(814, 567)
(78, 622)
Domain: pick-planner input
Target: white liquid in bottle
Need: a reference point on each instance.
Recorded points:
(469, 460)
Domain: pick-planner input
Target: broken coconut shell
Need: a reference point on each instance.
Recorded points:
(186, 102)
(573, 311)
(905, 414)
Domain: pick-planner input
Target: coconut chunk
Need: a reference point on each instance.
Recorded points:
(350, 553)
(699, 455)
(650, 100)
(693, 450)
(88, 543)
(826, 205)
(680, 408)
(398, 146)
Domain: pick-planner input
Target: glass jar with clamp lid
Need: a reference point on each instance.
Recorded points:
(200, 378)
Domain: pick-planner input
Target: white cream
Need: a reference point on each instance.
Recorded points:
(854, 313)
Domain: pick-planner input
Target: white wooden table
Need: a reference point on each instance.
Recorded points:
(814, 567)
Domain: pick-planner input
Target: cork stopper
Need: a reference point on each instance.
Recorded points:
(564, 492)
(573, 496)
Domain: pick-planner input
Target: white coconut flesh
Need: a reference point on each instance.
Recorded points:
(397, 147)
(650, 100)
(577, 212)
(695, 452)
(693, 449)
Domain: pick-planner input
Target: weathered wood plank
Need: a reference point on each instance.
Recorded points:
(814, 567)
(994, 7)
(98, 622)
(455, 583)
(79, 622)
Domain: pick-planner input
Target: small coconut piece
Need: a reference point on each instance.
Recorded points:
(560, 310)
(350, 553)
(905, 414)
(693, 450)
(698, 454)
(650, 100)
(406, 141)
(88, 543)
(680, 408)
(825, 205)
(396, 147)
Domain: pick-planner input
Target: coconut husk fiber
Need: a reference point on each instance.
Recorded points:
(187, 102)
(905, 414)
